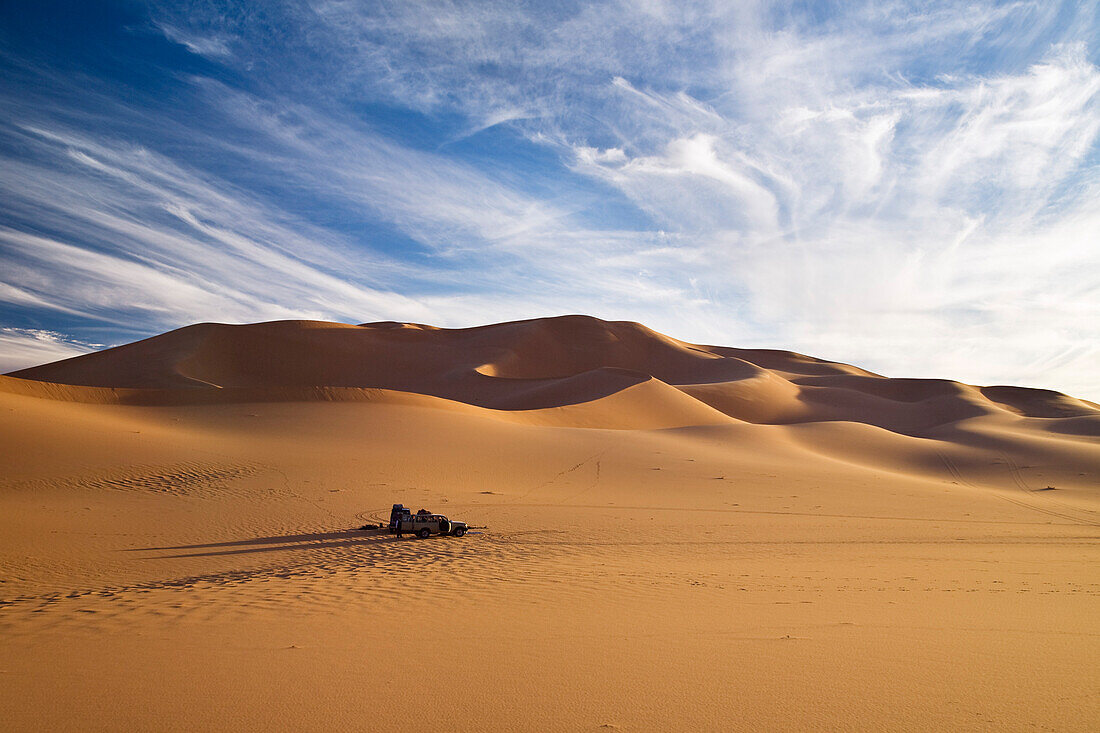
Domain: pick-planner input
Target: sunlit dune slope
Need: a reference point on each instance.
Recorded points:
(521, 365)
(533, 365)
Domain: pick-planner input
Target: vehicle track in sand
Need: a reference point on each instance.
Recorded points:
(558, 476)
(1018, 478)
(1020, 485)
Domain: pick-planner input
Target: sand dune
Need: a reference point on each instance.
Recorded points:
(669, 536)
(526, 365)
(581, 372)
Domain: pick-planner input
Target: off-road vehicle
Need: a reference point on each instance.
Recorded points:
(424, 525)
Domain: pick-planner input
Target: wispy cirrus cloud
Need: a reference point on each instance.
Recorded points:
(908, 186)
(881, 184)
(134, 235)
(213, 46)
(20, 347)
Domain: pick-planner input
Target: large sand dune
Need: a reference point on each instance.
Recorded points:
(676, 536)
(529, 365)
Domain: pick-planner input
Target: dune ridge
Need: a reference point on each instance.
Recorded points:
(524, 366)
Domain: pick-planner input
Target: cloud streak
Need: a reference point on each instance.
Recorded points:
(20, 347)
(907, 186)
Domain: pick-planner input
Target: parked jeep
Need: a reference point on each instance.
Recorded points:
(424, 525)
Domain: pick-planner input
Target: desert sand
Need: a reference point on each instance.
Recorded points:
(668, 536)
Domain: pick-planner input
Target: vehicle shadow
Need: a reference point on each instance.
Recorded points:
(311, 547)
(310, 541)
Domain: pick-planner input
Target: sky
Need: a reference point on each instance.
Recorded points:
(912, 187)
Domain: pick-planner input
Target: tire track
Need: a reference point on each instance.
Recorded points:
(1070, 513)
(586, 489)
(558, 476)
(1017, 479)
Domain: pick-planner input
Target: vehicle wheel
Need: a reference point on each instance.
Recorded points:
(423, 534)
(460, 532)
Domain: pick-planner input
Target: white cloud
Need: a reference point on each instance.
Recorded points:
(170, 245)
(1019, 135)
(688, 177)
(908, 186)
(26, 347)
(213, 46)
(137, 235)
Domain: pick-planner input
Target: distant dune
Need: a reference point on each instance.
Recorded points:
(530, 365)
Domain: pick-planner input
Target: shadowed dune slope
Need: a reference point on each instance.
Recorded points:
(533, 365)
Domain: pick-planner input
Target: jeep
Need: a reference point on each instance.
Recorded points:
(424, 525)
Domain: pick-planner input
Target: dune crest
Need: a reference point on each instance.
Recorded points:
(539, 364)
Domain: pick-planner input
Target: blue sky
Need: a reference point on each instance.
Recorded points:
(911, 187)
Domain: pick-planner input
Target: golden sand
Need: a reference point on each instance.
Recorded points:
(674, 537)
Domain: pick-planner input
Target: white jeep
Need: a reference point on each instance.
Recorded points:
(425, 525)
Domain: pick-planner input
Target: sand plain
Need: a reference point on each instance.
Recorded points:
(671, 536)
